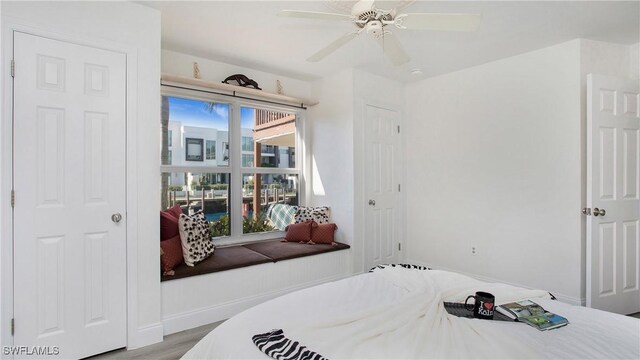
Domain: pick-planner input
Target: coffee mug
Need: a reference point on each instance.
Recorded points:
(484, 304)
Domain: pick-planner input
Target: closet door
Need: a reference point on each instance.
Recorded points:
(613, 194)
(69, 181)
(382, 187)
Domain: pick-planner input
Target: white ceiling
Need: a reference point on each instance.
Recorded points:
(248, 33)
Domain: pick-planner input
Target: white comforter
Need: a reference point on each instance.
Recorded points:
(397, 313)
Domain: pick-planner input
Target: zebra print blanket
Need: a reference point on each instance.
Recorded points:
(277, 346)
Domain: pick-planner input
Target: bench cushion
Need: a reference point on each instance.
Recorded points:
(224, 258)
(278, 250)
(237, 256)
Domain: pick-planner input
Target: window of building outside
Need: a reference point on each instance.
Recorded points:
(211, 149)
(234, 161)
(247, 143)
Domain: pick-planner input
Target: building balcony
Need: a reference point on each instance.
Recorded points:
(275, 128)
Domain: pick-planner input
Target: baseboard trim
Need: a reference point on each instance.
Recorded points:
(203, 316)
(145, 335)
(561, 297)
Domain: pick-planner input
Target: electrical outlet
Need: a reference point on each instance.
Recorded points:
(474, 250)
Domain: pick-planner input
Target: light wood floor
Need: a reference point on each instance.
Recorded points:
(171, 348)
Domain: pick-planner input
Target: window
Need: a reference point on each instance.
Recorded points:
(247, 143)
(194, 149)
(238, 141)
(211, 150)
(247, 160)
(169, 138)
(225, 153)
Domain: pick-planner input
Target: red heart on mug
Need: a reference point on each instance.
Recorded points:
(488, 306)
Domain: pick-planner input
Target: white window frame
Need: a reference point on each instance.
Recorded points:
(235, 169)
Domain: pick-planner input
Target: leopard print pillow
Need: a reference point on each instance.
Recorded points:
(195, 238)
(318, 214)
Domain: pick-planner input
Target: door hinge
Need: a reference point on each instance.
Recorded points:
(399, 246)
(13, 198)
(398, 187)
(13, 68)
(398, 129)
(13, 326)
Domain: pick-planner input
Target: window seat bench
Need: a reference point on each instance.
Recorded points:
(238, 256)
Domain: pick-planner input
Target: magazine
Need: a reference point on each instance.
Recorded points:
(532, 314)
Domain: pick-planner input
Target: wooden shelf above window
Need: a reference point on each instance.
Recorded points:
(233, 90)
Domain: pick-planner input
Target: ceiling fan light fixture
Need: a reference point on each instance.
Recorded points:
(374, 28)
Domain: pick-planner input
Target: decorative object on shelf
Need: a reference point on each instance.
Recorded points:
(242, 80)
(196, 71)
(279, 88)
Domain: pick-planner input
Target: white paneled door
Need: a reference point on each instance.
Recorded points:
(382, 186)
(613, 193)
(69, 181)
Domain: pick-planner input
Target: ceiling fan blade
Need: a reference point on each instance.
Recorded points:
(315, 15)
(392, 4)
(442, 22)
(333, 47)
(393, 49)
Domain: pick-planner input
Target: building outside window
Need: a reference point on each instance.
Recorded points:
(232, 190)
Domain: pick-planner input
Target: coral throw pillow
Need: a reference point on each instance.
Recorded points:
(171, 254)
(195, 237)
(299, 232)
(169, 222)
(176, 211)
(323, 233)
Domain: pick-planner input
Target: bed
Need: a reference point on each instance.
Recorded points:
(396, 312)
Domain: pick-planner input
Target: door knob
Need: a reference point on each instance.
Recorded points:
(116, 217)
(372, 202)
(599, 212)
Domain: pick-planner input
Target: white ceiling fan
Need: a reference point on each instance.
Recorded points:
(378, 23)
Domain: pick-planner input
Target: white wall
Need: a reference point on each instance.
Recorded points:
(331, 141)
(634, 61)
(493, 156)
(198, 300)
(135, 27)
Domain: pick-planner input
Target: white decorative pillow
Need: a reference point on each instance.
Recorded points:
(195, 238)
(318, 214)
